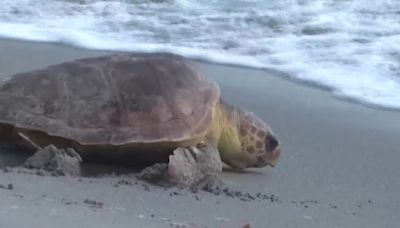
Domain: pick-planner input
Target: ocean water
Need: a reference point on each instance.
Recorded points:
(350, 46)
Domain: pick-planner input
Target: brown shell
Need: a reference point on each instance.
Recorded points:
(117, 99)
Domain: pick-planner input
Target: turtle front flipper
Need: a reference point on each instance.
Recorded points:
(194, 166)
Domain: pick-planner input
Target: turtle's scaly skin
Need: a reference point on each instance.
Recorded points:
(245, 140)
(130, 108)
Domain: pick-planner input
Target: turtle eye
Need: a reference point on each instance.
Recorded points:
(271, 143)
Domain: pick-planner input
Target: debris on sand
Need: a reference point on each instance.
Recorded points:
(7, 170)
(7, 187)
(93, 203)
(156, 174)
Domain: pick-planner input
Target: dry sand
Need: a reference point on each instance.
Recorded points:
(339, 166)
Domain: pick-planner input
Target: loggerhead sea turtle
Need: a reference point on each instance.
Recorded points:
(135, 108)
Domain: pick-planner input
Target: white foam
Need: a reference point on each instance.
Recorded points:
(350, 46)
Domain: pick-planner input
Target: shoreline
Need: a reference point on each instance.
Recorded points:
(276, 73)
(339, 157)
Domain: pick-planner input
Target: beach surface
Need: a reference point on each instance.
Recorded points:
(339, 165)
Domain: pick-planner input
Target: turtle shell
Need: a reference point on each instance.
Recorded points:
(116, 99)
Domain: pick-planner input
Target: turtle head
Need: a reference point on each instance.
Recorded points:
(253, 143)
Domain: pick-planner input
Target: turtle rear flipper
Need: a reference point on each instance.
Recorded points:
(25, 141)
(57, 161)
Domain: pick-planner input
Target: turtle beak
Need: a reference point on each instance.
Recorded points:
(273, 152)
(272, 158)
(269, 158)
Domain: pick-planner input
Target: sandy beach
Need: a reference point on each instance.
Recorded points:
(339, 165)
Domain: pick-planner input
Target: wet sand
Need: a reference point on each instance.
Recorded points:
(339, 166)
